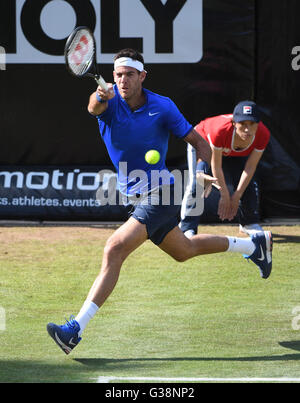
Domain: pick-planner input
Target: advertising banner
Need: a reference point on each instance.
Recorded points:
(206, 55)
(44, 118)
(79, 193)
(60, 193)
(164, 31)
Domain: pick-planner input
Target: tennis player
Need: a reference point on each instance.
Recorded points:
(133, 120)
(237, 142)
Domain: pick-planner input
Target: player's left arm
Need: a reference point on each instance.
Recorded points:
(246, 176)
(203, 150)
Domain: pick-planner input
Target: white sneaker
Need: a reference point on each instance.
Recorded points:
(251, 229)
(189, 233)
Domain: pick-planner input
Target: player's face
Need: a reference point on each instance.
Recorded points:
(246, 129)
(129, 81)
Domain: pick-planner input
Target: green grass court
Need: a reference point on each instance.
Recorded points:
(210, 317)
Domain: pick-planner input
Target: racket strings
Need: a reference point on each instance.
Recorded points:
(81, 52)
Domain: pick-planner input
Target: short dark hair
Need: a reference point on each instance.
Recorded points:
(128, 52)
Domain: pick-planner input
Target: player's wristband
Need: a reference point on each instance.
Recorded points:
(202, 166)
(99, 99)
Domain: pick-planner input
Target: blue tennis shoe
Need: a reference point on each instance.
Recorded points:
(65, 336)
(262, 256)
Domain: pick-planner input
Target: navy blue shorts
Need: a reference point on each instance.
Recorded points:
(157, 210)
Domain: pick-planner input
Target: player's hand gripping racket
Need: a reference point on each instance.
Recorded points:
(80, 55)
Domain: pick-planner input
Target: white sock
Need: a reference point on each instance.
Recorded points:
(241, 245)
(86, 313)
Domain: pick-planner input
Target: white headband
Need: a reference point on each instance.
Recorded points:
(127, 61)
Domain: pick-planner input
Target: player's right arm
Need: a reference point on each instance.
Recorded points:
(97, 108)
(217, 171)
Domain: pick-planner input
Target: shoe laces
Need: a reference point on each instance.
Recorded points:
(71, 323)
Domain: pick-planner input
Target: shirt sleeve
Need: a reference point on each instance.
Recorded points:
(176, 122)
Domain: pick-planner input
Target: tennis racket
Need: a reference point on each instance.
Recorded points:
(80, 55)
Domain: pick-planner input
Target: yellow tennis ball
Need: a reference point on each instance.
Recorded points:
(152, 157)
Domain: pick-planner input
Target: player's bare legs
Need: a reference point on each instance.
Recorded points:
(257, 248)
(130, 236)
(123, 241)
(181, 248)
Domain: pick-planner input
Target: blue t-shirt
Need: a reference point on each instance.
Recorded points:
(129, 135)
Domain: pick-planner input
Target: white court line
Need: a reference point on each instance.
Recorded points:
(108, 379)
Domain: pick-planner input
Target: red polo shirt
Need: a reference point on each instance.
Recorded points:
(219, 132)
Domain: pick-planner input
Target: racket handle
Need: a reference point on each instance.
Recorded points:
(100, 81)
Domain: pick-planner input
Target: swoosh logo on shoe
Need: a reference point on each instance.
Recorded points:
(262, 256)
(62, 344)
(71, 342)
(152, 114)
